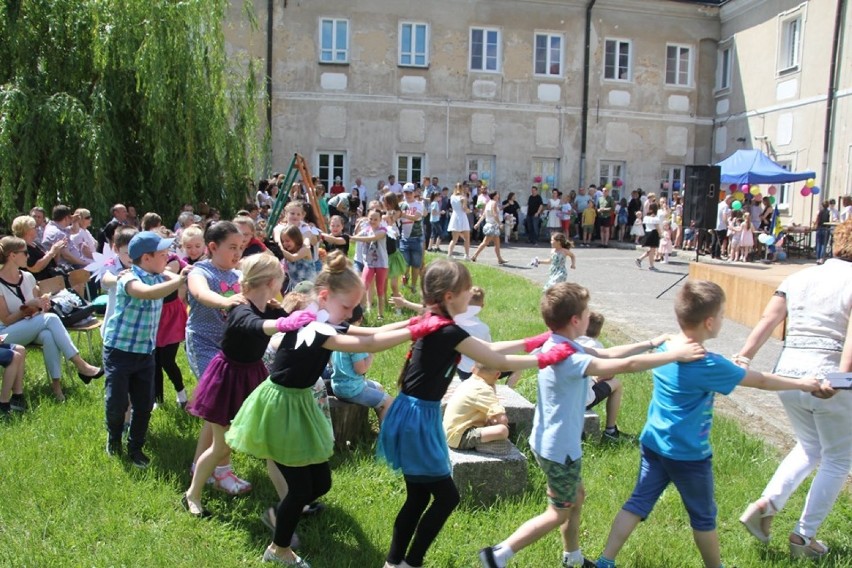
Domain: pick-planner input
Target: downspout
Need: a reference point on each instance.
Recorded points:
(829, 106)
(270, 6)
(587, 56)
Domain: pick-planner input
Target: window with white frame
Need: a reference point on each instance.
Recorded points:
(485, 49)
(329, 166)
(785, 190)
(612, 172)
(679, 65)
(545, 173)
(617, 60)
(789, 50)
(334, 40)
(410, 167)
(413, 44)
(548, 54)
(724, 63)
(480, 168)
(671, 179)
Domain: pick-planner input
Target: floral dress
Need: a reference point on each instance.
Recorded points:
(558, 270)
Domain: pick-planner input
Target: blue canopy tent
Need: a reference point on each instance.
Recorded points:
(753, 166)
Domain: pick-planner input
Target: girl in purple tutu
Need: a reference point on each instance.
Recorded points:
(238, 368)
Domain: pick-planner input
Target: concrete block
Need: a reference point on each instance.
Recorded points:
(485, 477)
(350, 422)
(592, 426)
(519, 411)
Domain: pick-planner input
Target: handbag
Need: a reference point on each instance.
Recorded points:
(71, 308)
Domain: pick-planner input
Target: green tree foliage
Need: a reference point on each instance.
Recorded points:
(123, 100)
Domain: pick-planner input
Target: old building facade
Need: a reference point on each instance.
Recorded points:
(500, 89)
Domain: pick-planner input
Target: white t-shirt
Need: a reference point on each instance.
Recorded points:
(722, 212)
(587, 341)
(10, 291)
(470, 322)
(396, 188)
(410, 208)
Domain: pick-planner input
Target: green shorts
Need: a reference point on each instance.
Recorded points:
(470, 438)
(563, 481)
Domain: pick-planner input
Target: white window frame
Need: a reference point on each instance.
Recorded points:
(670, 173)
(790, 31)
(543, 168)
(723, 75)
(615, 169)
(327, 173)
(689, 71)
(499, 49)
(477, 164)
(783, 198)
(335, 50)
(410, 50)
(404, 174)
(548, 60)
(619, 44)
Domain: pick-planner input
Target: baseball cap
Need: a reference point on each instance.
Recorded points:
(408, 187)
(147, 242)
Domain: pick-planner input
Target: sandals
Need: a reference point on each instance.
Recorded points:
(810, 547)
(752, 519)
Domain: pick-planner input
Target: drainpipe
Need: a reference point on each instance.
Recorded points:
(270, 5)
(829, 106)
(587, 56)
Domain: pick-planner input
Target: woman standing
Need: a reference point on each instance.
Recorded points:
(817, 303)
(492, 229)
(554, 210)
(652, 237)
(459, 225)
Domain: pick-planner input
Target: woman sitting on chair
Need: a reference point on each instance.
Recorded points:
(25, 317)
(40, 262)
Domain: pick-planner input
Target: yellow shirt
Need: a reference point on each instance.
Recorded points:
(589, 215)
(470, 406)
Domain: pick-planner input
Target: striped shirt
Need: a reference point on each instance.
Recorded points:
(133, 325)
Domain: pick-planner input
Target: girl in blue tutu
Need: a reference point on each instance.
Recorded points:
(281, 421)
(412, 437)
(238, 368)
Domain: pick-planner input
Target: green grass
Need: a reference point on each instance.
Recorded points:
(64, 503)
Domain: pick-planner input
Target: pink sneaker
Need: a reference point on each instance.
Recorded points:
(229, 483)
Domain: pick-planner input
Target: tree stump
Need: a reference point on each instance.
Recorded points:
(350, 422)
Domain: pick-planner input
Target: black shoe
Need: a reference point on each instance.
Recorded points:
(617, 436)
(139, 459)
(17, 403)
(486, 557)
(5, 410)
(113, 449)
(184, 502)
(88, 379)
(314, 508)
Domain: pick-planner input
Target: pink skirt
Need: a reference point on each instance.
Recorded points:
(223, 388)
(172, 327)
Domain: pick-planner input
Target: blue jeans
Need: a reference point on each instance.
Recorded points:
(533, 225)
(822, 235)
(128, 374)
(412, 251)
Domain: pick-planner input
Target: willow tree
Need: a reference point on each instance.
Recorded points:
(123, 100)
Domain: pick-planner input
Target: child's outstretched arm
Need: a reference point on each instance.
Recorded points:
(621, 351)
(485, 353)
(770, 382)
(200, 289)
(680, 351)
(366, 331)
(142, 291)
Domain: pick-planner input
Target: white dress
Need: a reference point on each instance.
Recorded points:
(458, 220)
(553, 221)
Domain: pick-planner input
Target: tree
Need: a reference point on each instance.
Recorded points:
(123, 100)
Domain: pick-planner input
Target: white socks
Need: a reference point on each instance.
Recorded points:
(502, 553)
(222, 470)
(572, 558)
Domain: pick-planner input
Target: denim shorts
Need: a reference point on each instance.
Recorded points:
(693, 480)
(436, 228)
(412, 251)
(7, 354)
(372, 396)
(563, 481)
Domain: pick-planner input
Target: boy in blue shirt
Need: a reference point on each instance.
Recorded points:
(559, 415)
(675, 443)
(129, 341)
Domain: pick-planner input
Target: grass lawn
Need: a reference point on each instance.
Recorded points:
(63, 502)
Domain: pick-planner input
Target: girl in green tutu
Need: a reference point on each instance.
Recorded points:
(281, 421)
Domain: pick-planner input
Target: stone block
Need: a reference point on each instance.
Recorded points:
(484, 477)
(592, 426)
(519, 411)
(350, 422)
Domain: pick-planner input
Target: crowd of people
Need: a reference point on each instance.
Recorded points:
(272, 315)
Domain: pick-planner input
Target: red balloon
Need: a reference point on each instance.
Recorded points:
(732, 188)
(806, 191)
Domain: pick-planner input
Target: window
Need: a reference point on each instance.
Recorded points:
(678, 65)
(671, 179)
(334, 41)
(548, 55)
(413, 44)
(789, 51)
(724, 61)
(480, 167)
(331, 165)
(485, 49)
(782, 198)
(409, 168)
(545, 172)
(612, 172)
(617, 60)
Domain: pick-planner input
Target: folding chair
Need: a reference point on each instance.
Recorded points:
(79, 280)
(51, 285)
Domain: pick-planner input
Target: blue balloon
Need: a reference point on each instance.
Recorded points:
(676, 186)
(485, 175)
(814, 190)
(770, 241)
(550, 179)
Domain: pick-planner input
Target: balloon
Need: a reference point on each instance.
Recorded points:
(770, 240)
(545, 186)
(814, 190)
(754, 190)
(618, 182)
(761, 238)
(772, 200)
(676, 185)
(484, 183)
(550, 179)
(608, 185)
(781, 255)
(806, 191)
(811, 182)
(737, 205)
(744, 188)
(537, 179)
(732, 188)
(486, 175)
(473, 177)
(739, 196)
(665, 185)
(772, 190)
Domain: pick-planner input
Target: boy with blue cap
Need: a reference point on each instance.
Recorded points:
(129, 340)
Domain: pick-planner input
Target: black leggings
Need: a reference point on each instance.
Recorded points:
(305, 485)
(411, 520)
(165, 359)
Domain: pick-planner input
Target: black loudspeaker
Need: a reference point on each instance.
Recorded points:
(701, 196)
